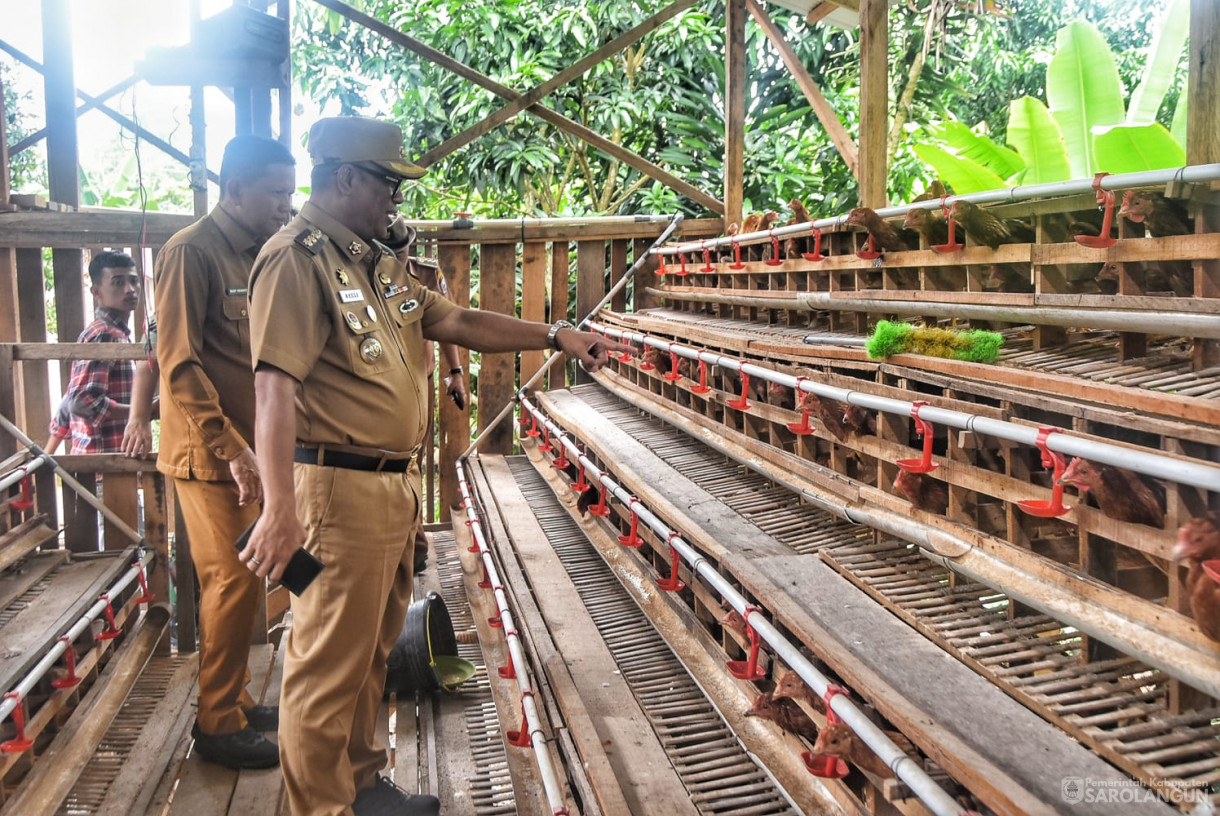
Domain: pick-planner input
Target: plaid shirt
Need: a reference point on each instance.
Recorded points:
(96, 385)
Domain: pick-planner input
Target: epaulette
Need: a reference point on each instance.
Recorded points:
(431, 263)
(312, 239)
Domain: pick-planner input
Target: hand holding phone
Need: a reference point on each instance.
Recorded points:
(302, 568)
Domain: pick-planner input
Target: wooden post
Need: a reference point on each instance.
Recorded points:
(874, 101)
(735, 109)
(1203, 147)
(645, 276)
(35, 413)
(454, 424)
(533, 300)
(497, 293)
(60, 93)
(590, 285)
(618, 268)
(557, 377)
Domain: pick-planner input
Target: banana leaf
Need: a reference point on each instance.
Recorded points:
(1036, 136)
(962, 174)
(996, 158)
(1178, 127)
(1164, 55)
(1132, 148)
(1084, 92)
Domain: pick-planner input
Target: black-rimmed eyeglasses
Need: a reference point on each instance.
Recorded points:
(395, 182)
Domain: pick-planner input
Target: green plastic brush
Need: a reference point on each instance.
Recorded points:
(970, 345)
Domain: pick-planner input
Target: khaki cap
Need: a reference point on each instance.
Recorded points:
(343, 139)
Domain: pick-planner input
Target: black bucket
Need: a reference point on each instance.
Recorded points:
(426, 635)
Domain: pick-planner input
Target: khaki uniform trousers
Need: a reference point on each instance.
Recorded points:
(360, 524)
(229, 599)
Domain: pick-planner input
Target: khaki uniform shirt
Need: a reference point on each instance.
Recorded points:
(345, 320)
(203, 347)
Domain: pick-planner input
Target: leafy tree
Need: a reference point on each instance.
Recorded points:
(27, 170)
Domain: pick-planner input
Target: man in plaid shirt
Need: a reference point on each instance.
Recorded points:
(94, 410)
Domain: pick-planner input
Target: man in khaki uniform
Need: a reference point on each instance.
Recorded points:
(338, 330)
(207, 430)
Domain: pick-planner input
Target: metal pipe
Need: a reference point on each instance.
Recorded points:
(613, 220)
(1118, 181)
(22, 472)
(516, 653)
(675, 221)
(60, 646)
(1188, 324)
(1197, 474)
(71, 482)
(922, 785)
(1197, 666)
(44, 789)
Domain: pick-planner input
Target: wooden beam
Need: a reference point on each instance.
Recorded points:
(38, 135)
(874, 101)
(735, 110)
(825, 113)
(123, 121)
(539, 92)
(497, 293)
(59, 87)
(565, 124)
(1203, 147)
(454, 422)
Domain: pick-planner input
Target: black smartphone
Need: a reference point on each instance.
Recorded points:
(458, 400)
(302, 568)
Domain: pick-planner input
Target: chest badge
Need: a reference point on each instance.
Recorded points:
(353, 321)
(371, 312)
(384, 278)
(370, 350)
(342, 276)
(408, 306)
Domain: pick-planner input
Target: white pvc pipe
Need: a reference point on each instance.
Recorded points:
(1148, 463)
(550, 779)
(922, 785)
(1189, 324)
(25, 470)
(1118, 181)
(53, 654)
(611, 220)
(67, 478)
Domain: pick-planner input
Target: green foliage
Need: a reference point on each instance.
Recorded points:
(1083, 92)
(1164, 57)
(963, 175)
(1133, 148)
(1035, 134)
(27, 170)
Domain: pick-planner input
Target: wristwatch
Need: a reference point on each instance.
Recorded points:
(554, 332)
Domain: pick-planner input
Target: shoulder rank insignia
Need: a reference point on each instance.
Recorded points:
(313, 240)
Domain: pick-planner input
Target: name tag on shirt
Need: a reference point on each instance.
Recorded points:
(234, 290)
(351, 295)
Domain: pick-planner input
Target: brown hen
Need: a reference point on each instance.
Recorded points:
(794, 246)
(840, 741)
(781, 396)
(923, 491)
(1160, 215)
(884, 236)
(1199, 541)
(790, 686)
(786, 714)
(984, 228)
(830, 412)
(1121, 494)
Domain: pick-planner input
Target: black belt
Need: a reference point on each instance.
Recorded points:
(351, 461)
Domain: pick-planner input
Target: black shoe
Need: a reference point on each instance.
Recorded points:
(263, 718)
(241, 749)
(387, 798)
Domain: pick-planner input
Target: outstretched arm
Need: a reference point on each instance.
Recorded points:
(493, 332)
